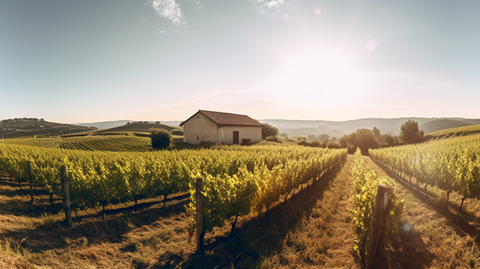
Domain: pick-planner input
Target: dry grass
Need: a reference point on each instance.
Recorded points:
(324, 238)
(34, 236)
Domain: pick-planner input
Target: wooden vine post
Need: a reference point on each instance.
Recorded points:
(66, 200)
(383, 194)
(200, 218)
(29, 167)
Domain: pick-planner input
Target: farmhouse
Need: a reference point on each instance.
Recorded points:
(221, 128)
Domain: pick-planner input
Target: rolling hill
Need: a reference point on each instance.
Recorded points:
(138, 127)
(30, 127)
(459, 131)
(442, 124)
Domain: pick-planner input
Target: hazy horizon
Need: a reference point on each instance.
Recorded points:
(272, 119)
(149, 60)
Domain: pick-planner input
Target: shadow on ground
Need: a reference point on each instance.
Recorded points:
(53, 235)
(263, 235)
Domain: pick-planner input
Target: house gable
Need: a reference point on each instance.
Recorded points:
(221, 128)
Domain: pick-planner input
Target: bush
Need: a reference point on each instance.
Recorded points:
(273, 139)
(268, 130)
(161, 138)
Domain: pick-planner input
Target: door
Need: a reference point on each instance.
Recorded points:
(235, 137)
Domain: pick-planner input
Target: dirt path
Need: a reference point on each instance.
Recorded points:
(324, 238)
(303, 232)
(425, 238)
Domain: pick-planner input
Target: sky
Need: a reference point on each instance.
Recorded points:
(100, 60)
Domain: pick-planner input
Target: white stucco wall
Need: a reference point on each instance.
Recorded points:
(202, 127)
(225, 134)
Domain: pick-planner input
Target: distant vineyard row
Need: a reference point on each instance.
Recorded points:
(108, 143)
(457, 131)
(237, 180)
(117, 143)
(450, 164)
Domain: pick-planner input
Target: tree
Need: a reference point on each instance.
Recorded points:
(161, 138)
(362, 138)
(388, 139)
(409, 132)
(311, 137)
(348, 141)
(365, 140)
(268, 130)
(323, 137)
(376, 133)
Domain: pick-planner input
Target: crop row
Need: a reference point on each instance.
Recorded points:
(237, 179)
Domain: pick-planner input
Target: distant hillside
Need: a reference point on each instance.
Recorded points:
(29, 127)
(338, 129)
(465, 130)
(138, 127)
(117, 123)
(104, 124)
(294, 128)
(442, 124)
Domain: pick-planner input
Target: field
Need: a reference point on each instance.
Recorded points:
(119, 142)
(459, 131)
(309, 224)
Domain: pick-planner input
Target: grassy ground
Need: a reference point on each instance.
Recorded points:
(36, 237)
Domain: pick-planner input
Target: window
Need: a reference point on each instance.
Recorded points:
(198, 138)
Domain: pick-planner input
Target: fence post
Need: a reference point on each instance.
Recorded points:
(381, 202)
(29, 167)
(66, 200)
(199, 216)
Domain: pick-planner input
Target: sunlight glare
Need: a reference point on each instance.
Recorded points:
(371, 44)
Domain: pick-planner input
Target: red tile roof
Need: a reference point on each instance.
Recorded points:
(227, 119)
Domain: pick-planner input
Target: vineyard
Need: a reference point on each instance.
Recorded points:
(452, 165)
(263, 206)
(114, 143)
(107, 143)
(237, 180)
(459, 131)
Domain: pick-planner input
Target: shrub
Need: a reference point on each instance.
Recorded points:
(161, 139)
(273, 139)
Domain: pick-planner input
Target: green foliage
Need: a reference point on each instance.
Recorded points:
(273, 139)
(459, 131)
(365, 140)
(362, 138)
(117, 143)
(268, 130)
(409, 132)
(389, 140)
(451, 164)
(237, 180)
(161, 138)
(365, 191)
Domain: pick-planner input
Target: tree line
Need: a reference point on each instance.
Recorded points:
(366, 139)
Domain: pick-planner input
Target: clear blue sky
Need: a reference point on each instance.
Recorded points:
(98, 60)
